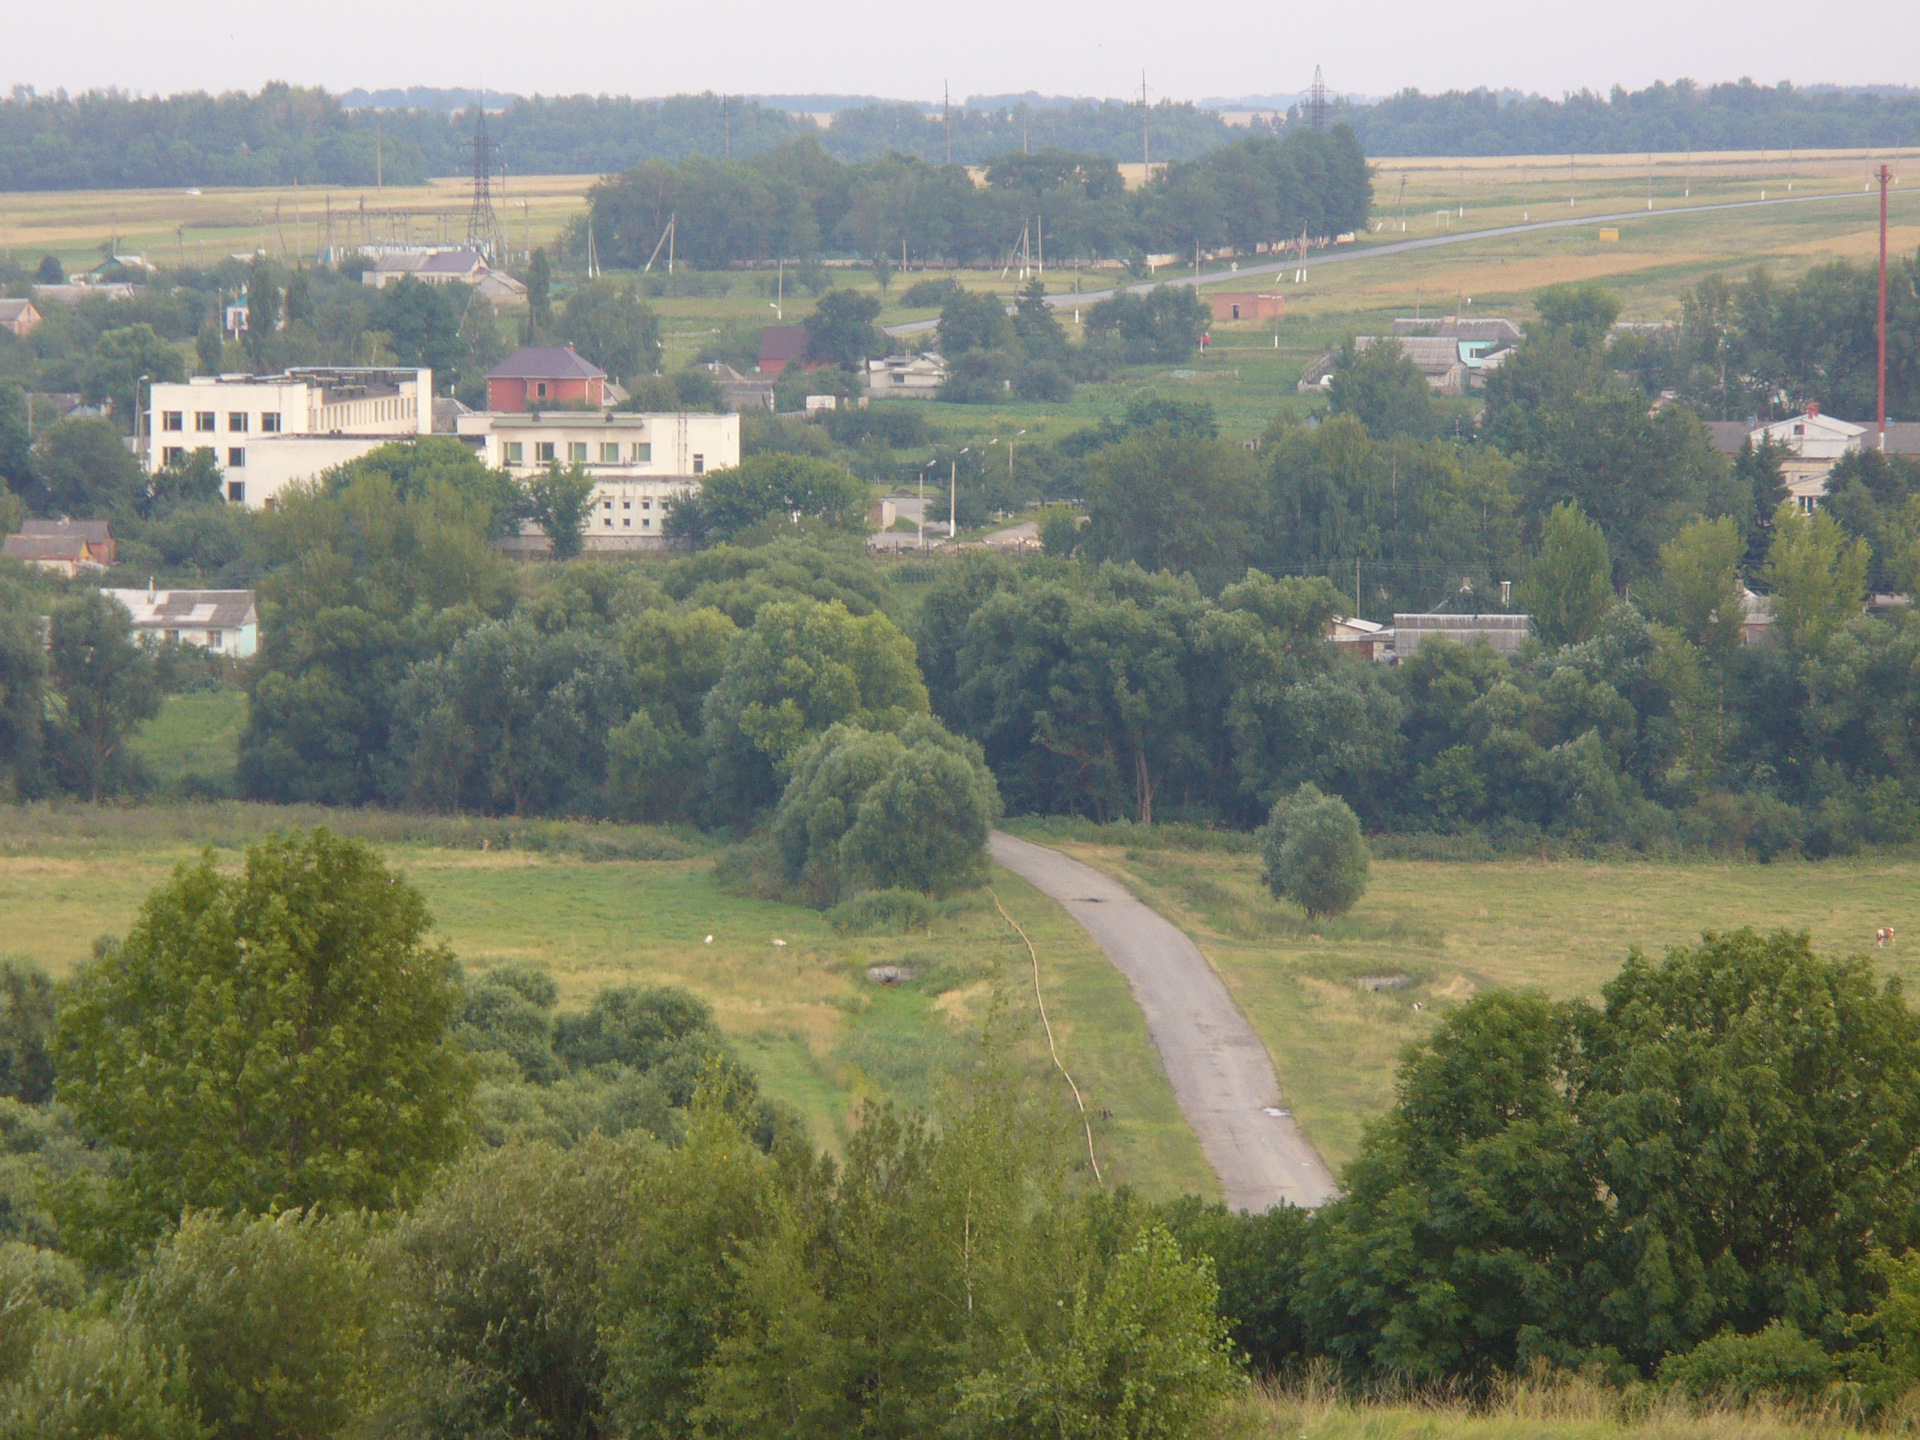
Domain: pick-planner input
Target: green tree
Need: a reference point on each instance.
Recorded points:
(121, 360)
(841, 330)
(539, 297)
(1818, 576)
(263, 312)
(1145, 1358)
(105, 684)
(1036, 325)
(970, 320)
(273, 1320)
(1386, 392)
(208, 349)
(481, 348)
(502, 1271)
(23, 681)
(16, 447)
(422, 323)
(1700, 593)
(90, 1378)
(1162, 327)
(50, 271)
(27, 1015)
(86, 470)
(778, 487)
(1581, 314)
(1314, 853)
(191, 479)
(1171, 502)
(609, 325)
(1569, 588)
(267, 1040)
(558, 501)
(801, 668)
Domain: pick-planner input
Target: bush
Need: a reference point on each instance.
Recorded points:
(929, 294)
(1315, 855)
(881, 912)
(1778, 1364)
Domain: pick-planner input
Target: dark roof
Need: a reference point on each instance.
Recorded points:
(94, 532)
(783, 343)
(1903, 437)
(546, 362)
(1727, 436)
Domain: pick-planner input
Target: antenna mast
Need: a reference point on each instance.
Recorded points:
(1317, 104)
(483, 225)
(1880, 411)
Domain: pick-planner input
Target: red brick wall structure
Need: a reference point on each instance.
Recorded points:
(542, 376)
(1232, 305)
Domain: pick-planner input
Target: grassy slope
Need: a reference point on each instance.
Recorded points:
(823, 1036)
(192, 746)
(1455, 929)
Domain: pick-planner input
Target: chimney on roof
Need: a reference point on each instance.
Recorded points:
(1813, 409)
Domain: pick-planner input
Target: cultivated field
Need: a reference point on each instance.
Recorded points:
(1336, 1000)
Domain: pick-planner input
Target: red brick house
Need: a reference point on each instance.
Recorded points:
(1247, 305)
(781, 346)
(542, 376)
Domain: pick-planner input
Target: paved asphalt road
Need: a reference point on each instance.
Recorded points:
(1400, 247)
(1219, 1069)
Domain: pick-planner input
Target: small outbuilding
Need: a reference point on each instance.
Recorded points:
(1230, 305)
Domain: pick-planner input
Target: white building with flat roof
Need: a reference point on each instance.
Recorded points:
(638, 463)
(269, 431)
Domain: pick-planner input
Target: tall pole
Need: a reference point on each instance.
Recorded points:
(953, 499)
(1880, 410)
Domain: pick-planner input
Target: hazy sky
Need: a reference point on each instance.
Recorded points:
(982, 47)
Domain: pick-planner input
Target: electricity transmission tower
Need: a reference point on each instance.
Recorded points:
(1317, 103)
(483, 225)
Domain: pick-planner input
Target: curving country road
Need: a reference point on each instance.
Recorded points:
(1401, 247)
(1219, 1070)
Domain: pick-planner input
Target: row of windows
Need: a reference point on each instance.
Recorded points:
(544, 452)
(174, 454)
(206, 422)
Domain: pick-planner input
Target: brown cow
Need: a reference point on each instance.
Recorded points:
(1883, 937)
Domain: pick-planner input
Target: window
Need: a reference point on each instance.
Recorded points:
(699, 464)
(511, 452)
(626, 504)
(237, 421)
(543, 450)
(540, 390)
(576, 452)
(213, 639)
(646, 504)
(607, 523)
(203, 421)
(236, 456)
(606, 504)
(173, 637)
(173, 420)
(610, 453)
(270, 422)
(172, 455)
(646, 524)
(237, 491)
(626, 524)
(643, 453)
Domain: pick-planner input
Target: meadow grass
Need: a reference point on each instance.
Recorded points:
(1551, 1407)
(822, 1035)
(1433, 934)
(193, 745)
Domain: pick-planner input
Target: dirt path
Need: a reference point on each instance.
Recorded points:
(1219, 1070)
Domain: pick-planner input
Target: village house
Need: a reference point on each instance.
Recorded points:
(18, 317)
(226, 622)
(65, 547)
(781, 346)
(1813, 444)
(906, 377)
(1231, 305)
(431, 265)
(737, 391)
(547, 376)
(1367, 639)
(1455, 355)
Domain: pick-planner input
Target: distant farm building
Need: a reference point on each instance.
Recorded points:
(1246, 305)
(1503, 632)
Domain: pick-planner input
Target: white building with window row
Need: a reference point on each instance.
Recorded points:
(638, 463)
(268, 431)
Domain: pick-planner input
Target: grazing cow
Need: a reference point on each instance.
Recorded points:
(1883, 937)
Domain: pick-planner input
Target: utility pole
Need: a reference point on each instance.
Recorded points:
(1880, 409)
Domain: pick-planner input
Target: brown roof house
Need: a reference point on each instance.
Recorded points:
(781, 346)
(18, 316)
(64, 546)
(545, 377)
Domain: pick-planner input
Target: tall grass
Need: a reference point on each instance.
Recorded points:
(234, 824)
(1540, 1407)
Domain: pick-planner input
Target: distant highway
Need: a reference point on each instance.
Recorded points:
(1401, 247)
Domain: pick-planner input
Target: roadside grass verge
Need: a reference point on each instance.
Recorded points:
(1338, 1000)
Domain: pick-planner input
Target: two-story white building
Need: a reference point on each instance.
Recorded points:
(638, 463)
(267, 432)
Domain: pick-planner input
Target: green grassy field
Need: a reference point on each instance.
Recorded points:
(1434, 934)
(821, 1034)
(190, 747)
